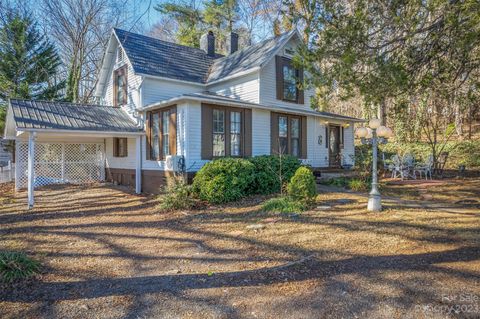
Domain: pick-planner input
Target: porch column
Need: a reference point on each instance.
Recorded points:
(138, 165)
(31, 168)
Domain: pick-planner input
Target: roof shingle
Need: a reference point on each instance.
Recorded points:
(155, 57)
(150, 56)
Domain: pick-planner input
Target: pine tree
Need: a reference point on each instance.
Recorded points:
(28, 61)
(189, 20)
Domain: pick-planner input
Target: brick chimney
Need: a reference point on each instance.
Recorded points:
(232, 43)
(207, 43)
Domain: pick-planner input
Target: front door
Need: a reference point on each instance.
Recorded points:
(334, 146)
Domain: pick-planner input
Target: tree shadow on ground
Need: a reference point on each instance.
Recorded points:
(293, 263)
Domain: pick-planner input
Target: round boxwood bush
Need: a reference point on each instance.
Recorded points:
(302, 186)
(224, 180)
(267, 172)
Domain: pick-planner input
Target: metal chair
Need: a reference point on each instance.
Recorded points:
(409, 165)
(425, 168)
(397, 167)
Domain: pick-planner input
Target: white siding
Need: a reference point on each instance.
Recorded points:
(194, 137)
(120, 162)
(268, 89)
(156, 90)
(244, 88)
(133, 87)
(348, 151)
(260, 132)
(133, 82)
(317, 153)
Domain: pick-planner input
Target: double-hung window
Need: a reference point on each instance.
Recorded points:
(289, 81)
(235, 133)
(161, 134)
(218, 133)
(287, 134)
(120, 147)
(227, 132)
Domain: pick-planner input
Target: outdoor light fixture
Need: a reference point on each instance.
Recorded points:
(374, 134)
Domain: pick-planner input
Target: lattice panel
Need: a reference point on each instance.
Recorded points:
(60, 163)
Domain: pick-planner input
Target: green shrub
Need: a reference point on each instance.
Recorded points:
(267, 172)
(224, 180)
(357, 185)
(337, 181)
(284, 205)
(16, 265)
(177, 196)
(302, 186)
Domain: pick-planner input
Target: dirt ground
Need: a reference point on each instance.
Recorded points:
(107, 253)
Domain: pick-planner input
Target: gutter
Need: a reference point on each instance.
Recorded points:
(243, 104)
(82, 132)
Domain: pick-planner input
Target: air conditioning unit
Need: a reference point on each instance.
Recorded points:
(174, 163)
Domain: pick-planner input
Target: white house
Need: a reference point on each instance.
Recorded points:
(166, 107)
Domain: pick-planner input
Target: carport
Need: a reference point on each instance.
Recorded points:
(60, 143)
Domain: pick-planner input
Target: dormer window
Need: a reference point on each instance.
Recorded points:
(288, 79)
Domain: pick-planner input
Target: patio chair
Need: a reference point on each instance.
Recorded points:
(396, 167)
(408, 165)
(425, 169)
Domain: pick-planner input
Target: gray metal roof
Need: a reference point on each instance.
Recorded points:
(30, 114)
(150, 56)
(247, 58)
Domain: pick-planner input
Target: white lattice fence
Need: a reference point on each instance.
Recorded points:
(60, 163)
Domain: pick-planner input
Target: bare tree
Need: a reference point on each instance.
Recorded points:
(81, 30)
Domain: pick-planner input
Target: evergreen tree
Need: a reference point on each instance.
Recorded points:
(28, 61)
(189, 20)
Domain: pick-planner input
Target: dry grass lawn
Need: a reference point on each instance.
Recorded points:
(107, 253)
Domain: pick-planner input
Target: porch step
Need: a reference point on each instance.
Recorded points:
(328, 173)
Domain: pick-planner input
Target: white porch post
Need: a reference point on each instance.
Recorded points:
(138, 165)
(31, 169)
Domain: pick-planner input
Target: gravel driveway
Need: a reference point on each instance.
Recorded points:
(107, 253)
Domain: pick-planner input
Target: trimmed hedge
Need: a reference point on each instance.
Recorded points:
(267, 169)
(224, 180)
